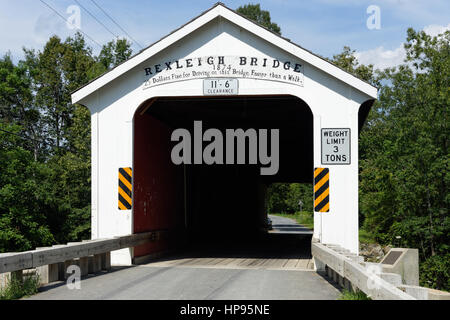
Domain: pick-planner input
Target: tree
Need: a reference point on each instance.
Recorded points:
(297, 192)
(17, 105)
(276, 197)
(59, 69)
(405, 163)
(24, 197)
(45, 152)
(262, 17)
(284, 197)
(114, 53)
(404, 157)
(347, 61)
(71, 180)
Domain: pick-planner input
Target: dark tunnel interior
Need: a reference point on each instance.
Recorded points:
(214, 202)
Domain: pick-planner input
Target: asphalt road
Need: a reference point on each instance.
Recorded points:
(286, 225)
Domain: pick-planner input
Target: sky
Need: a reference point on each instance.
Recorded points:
(321, 26)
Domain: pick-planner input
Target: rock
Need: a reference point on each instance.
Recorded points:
(373, 252)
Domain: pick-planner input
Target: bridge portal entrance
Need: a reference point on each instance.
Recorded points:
(220, 203)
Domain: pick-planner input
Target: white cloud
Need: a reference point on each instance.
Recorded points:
(434, 29)
(383, 58)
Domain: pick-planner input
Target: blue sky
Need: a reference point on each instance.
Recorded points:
(322, 26)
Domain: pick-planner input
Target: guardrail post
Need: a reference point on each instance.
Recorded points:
(318, 265)
(341, 281)
(335, 276)
(106, 261)
(329, 272)
(48, 274)
(4, 279)
(84, 266)
(95, 263)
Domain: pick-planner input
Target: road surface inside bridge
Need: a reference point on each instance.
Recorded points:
(278, 269)
(288, 226)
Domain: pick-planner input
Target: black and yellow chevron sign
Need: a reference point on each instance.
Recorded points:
(125, 188)
(321, 190)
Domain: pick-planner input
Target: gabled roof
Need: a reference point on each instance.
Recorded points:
(219, 9)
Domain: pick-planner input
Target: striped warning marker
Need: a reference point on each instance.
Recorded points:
(125, 188)
(321, 189)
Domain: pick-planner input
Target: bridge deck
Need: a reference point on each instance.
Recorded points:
(230, 262)
(147, 282)
(279, 268)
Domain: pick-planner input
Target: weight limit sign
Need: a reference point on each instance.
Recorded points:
(336, 146)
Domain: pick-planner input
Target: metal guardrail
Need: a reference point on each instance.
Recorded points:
(16, 261)
(349, 269)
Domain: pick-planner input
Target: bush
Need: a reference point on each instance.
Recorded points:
(435, 272)
(350, 295)
(366, 236)
(16, 288)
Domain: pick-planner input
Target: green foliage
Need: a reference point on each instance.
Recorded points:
(404, 157)
(58, 70)
(16, 288)
(45, 142)
(435, 272)
(114, 53)
(404, 174)
(404, 167)
(23, 200)
(350, 295)
(262, 17)
(15, 93)
(16, 102)
(366, 236)
(276, 197)
(284, 197)
(347, 61)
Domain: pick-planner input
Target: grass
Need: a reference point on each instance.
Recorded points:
(350, 295)
(304, 218)
(16, 288)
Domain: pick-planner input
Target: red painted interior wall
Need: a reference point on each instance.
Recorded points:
(158, 195)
